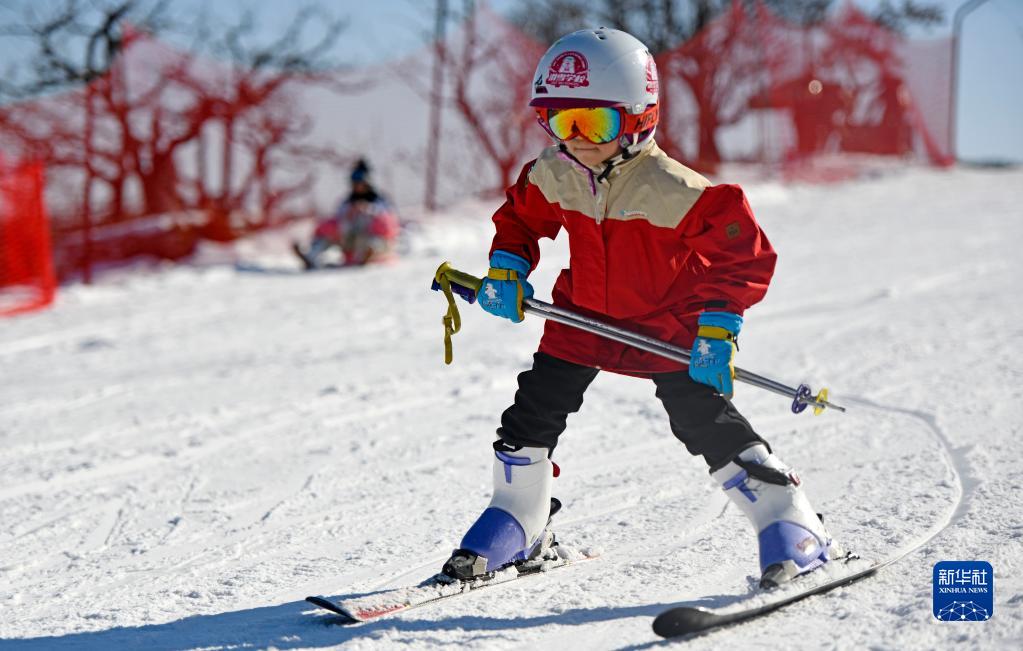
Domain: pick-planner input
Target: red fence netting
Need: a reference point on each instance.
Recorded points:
(170, 148)
(756, 87)
(27, 281)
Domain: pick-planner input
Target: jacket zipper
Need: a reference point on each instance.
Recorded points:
(601, 210)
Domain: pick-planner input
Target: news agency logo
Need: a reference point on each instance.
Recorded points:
(964, 591)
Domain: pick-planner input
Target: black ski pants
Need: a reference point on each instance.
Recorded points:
(706, 422)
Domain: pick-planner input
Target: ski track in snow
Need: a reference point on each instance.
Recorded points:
(190, 451)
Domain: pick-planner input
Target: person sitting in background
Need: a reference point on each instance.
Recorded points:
(364, 227)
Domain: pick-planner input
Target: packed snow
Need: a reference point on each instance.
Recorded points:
(189, 451)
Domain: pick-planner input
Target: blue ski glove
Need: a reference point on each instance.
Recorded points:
(505, 286)
(711, 361)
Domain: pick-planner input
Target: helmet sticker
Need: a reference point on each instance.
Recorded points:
(651, 75)
(569, 69)
(538, 86)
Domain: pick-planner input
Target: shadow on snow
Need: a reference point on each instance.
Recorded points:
(298, 624)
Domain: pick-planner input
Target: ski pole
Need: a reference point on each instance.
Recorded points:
(641, 341)
(450, 280)
(801, 396)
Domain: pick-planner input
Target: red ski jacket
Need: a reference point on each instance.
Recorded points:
(651, 246)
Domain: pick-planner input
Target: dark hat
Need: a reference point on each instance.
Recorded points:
(360, 172)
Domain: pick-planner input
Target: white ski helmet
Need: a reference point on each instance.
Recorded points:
(600, 67)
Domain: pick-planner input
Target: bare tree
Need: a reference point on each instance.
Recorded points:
(660, 24)
(81, 107)
(76, 47)
(253, 100)
(701, 43)
(74, 43)
(548, 20)
(490, 64)
(664, 24)
(899, 17)
(498, 117)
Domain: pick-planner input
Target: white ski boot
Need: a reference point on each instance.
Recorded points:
(513, 527)
(792, 537)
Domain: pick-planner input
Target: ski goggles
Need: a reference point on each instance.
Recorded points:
(599, 124)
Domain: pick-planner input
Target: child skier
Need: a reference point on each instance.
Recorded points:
(655, 248)
(363, 227)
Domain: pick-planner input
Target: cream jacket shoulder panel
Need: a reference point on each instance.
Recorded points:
(652, 187)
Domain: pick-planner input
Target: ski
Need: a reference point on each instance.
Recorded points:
(363, 608)
(687, 620)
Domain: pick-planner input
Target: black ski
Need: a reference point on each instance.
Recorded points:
(686, 620)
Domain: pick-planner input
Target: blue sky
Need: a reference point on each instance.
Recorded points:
(991, 81)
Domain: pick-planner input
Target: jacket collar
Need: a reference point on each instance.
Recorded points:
(616, 165)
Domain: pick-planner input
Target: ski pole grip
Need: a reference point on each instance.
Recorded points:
(463, 284)
(452, 281)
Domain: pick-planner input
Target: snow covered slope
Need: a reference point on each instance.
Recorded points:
(189, 452)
